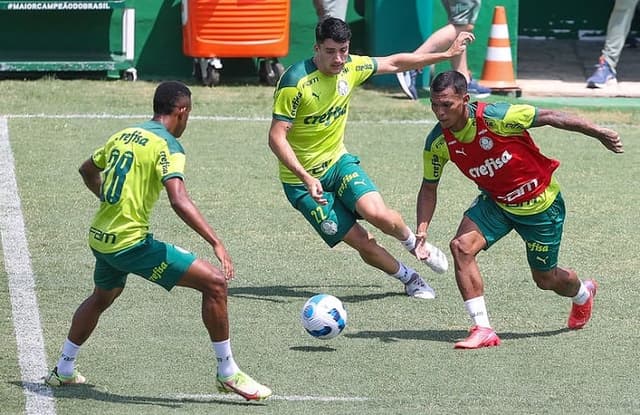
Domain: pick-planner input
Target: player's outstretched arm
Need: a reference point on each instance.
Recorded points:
(558, 119)
(401, 62)
(189, 213)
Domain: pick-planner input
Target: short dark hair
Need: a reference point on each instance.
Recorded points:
(334, 29)
(449, 79)
(167, 95)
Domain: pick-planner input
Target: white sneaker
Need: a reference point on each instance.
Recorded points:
(437, 260)
(416, 287)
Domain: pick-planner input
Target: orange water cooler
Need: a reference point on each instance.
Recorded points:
(215, 29)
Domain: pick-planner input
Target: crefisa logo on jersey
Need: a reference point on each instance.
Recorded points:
(486, 143)
(343, 87)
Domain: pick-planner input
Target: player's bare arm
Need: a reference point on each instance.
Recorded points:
(189, 213)
(558, 119)
(401, 62)
(425, 208)
(91, 176)
(281, 148)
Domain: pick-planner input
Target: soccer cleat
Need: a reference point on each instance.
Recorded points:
(243, 385)
(602, 76)
(479, 337)
(55, 379)
(581, 314)
(416, 287)
(476, 90)
(407, 82)
(437, 260)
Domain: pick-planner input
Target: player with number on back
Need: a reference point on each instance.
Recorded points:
(127, 174)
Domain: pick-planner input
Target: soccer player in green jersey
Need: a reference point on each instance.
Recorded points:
(491, 145)
(127, 174)
(320, 178)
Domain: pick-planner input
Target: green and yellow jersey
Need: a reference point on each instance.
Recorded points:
(317, 106)
(503, 119)
(136, 162)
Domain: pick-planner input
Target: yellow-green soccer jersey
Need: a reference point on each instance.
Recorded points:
(317, 106)
(503, 119)
(136, 162)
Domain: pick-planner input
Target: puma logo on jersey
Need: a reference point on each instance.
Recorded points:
(461, 152)
(316, 96)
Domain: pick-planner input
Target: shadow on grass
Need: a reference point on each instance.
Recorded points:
(88, 391)
(447, 336)
(278, 293)
(313, 348)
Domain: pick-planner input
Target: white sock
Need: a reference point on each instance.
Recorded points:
(226, 365)
(582, 296)
(67, 360)
(404, 273)
(477, 311)
(410, 242)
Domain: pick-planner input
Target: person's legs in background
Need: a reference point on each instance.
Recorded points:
(617, 31)
(462, 15)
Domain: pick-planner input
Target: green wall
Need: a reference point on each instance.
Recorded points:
(158, 36)
(567, 19)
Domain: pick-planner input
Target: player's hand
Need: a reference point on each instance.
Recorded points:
(314, 187)
(225, 261)
(611, 140)
(460, 44)
(421, 251)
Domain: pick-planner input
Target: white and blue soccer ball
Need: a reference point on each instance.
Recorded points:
(324, 316)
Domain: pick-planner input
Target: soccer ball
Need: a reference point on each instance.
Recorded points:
(323, 316)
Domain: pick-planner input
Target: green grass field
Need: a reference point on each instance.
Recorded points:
(150, 353)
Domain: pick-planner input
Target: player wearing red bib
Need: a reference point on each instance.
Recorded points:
(491, 146)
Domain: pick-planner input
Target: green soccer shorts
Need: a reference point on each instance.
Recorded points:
(344, 183)
(462, 12)
(159, 262)
(541, 232)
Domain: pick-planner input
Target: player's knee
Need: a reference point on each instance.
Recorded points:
(216, 287)
(102, 299)
(544, 283)
(465, 27)
(386, 220)
(459, 248)
(546, 280)
(211, 282)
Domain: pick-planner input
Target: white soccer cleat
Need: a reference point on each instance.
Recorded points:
(53, 378)
(416, 287)
(436, 260)
(243, 385)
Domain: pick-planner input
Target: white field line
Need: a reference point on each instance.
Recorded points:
(196, 117)
(289, 398)
(24, 304)
(26, 317)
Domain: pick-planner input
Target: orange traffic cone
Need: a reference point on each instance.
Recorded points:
(497, 72)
